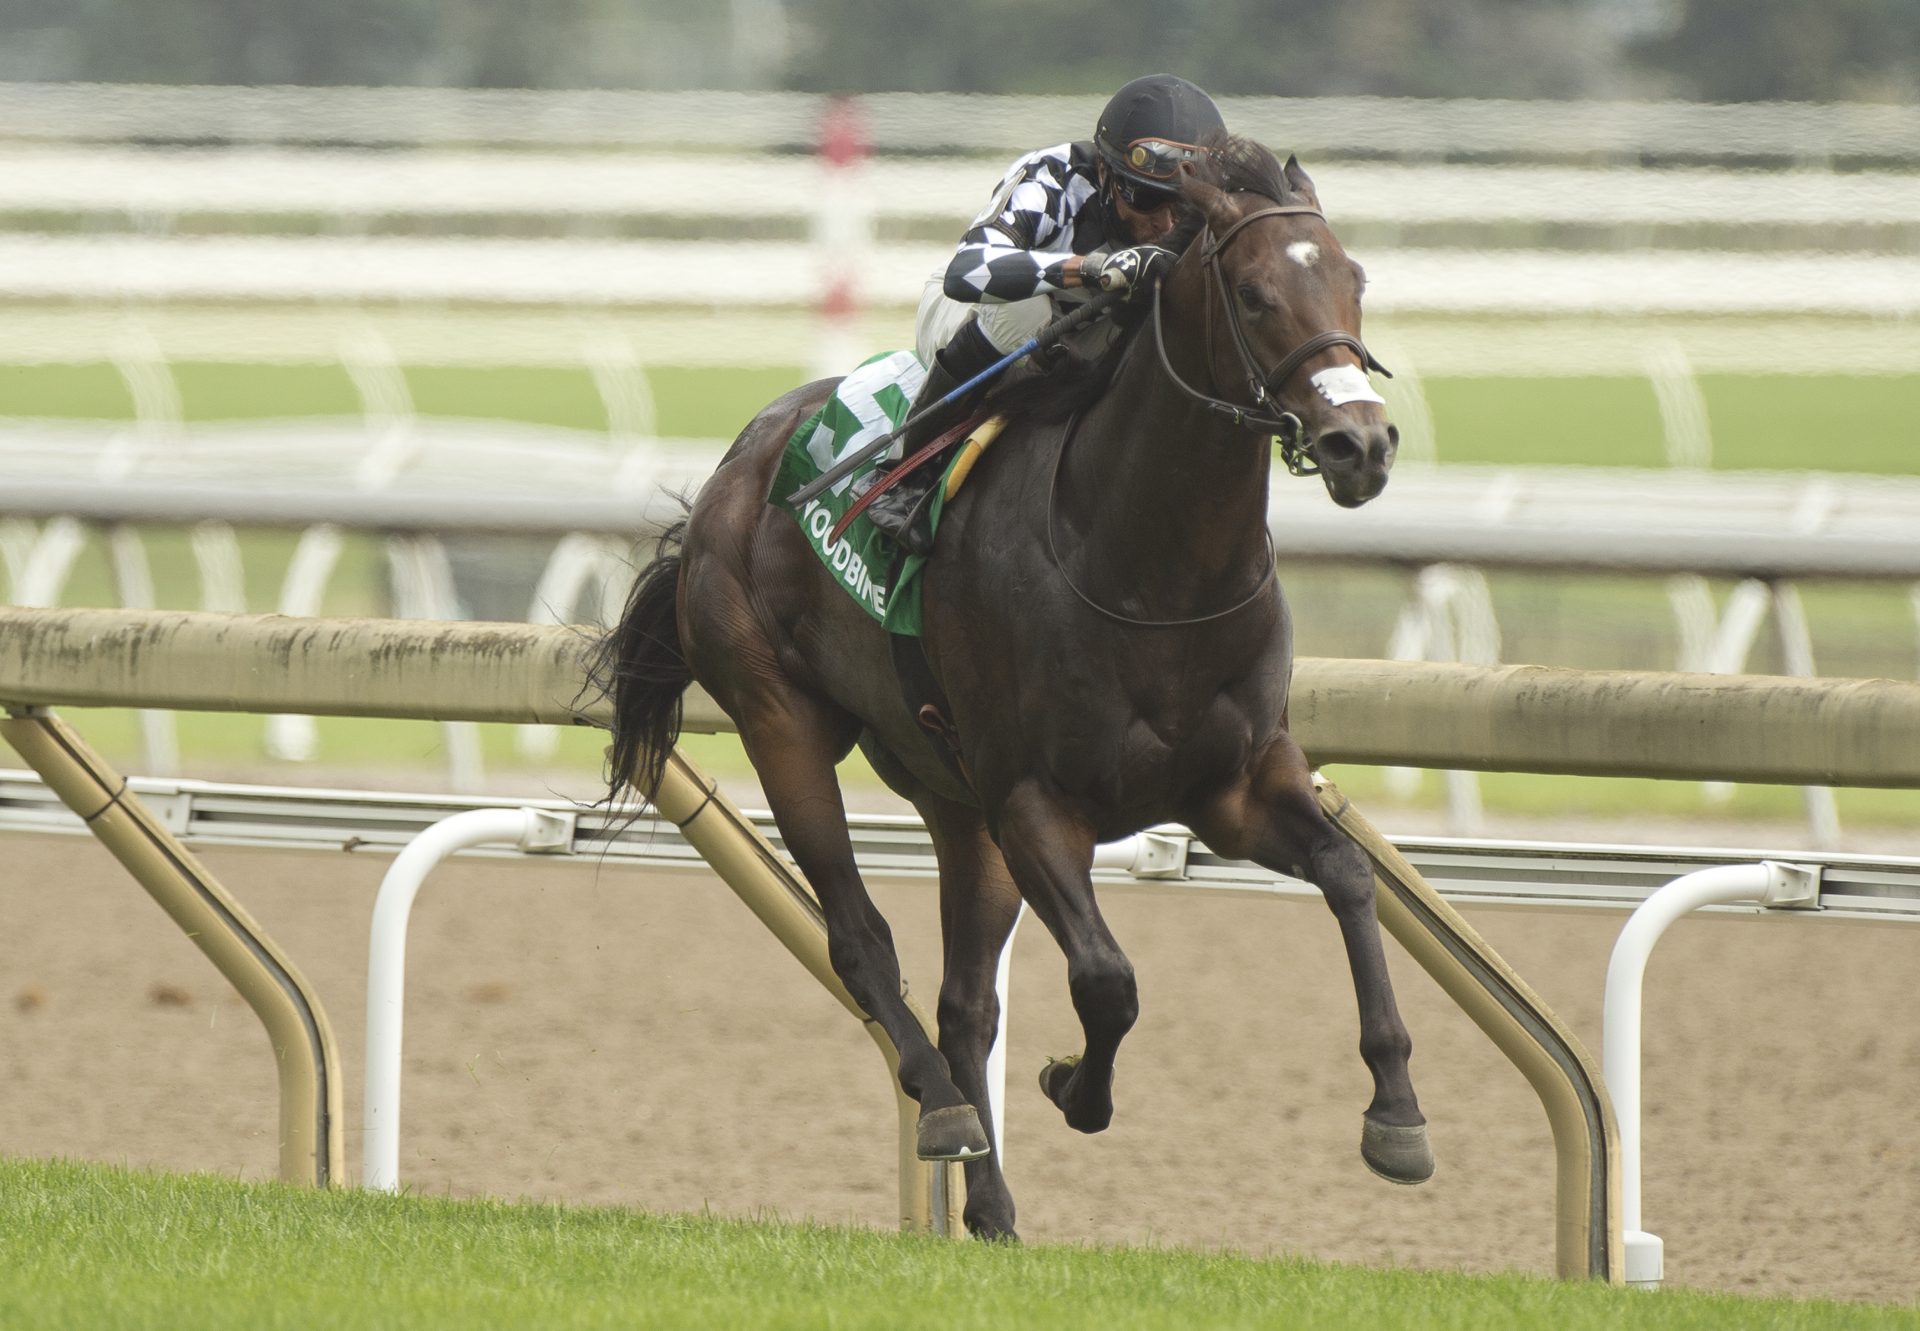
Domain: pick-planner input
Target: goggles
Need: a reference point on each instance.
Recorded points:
(1156, 159)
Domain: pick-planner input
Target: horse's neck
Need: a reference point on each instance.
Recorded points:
(1167, 502)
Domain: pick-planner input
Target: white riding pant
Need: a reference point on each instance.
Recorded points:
(1006, 323)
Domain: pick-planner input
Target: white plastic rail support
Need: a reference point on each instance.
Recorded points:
(533, 830)
(997, 1056)
(1772, 884)
(1145, 855)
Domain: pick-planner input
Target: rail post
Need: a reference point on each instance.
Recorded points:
(532, 830)
(1770, 882)
(311, 1145)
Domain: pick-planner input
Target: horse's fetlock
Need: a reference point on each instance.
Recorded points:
(927, 1080)
(1386, 1047)
(1104, 991)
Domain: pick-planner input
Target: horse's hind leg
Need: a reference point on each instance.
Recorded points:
(1273, 818)
(1051, 855)
(793, 741)
(978, 907)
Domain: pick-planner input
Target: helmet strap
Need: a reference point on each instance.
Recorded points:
(1104, 175)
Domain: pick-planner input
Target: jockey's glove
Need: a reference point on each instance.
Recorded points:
(1135, 269)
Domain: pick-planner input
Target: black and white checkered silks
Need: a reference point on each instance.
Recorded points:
(1007, 269)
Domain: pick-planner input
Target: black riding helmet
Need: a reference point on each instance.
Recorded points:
(1149, 128)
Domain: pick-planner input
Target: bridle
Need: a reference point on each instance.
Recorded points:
(1264, 413)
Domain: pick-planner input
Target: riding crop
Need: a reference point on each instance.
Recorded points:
(1065, 324)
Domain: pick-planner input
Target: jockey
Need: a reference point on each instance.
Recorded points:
(1074, 218)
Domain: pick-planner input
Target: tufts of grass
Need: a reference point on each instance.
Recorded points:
(88, 1245)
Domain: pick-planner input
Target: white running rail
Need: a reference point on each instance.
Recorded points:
(1773, 883)
(526, 829)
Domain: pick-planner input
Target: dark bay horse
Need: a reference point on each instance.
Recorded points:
(1102, 617)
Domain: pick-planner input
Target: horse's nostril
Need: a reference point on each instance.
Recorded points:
(1337, 448)
(1393, 436)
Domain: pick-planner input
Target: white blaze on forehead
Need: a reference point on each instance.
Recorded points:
(1304, 252)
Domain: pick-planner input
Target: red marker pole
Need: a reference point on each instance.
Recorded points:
(842, 231)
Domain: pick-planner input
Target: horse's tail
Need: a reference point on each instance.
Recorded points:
(638, 665)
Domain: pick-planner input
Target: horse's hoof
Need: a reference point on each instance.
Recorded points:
(953, 1133)
(994, 1234)
(1054, 1080)
(1055, 1076)
(1398, 1155)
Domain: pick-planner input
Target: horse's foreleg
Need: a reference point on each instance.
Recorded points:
(1050, 853)
(978, 906)
(793, 742)
(1273, 819)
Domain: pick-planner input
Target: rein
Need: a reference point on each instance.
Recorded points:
(1053, 552)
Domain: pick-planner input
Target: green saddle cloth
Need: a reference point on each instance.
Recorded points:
(871, 401)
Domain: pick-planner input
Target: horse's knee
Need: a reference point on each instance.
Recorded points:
(1104, 992)
(1349, 897)
(1344, 877)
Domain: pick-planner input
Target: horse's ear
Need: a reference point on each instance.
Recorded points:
(1298, 179)
(1209, 199)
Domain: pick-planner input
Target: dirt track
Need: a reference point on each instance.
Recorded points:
(602, 1035)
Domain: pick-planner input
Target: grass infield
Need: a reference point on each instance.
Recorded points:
(93, 1246)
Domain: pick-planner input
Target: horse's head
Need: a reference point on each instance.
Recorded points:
(1267, 269)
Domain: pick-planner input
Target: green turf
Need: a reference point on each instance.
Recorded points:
(1829, 423)
(716, 403)
(701, 403)
(1868, 424)
(1562, 422)
(211, 391)
(90, 1246)
(541, 396)
(82, 392)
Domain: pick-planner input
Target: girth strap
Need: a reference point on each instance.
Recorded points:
(926, 701)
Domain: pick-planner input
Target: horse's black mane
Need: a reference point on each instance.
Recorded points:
(1238, 166)
(1232, 163)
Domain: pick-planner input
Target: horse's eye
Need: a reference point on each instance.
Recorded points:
(1359, 274)
(1253, 299)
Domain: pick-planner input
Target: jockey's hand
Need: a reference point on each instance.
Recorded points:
(1129, 270)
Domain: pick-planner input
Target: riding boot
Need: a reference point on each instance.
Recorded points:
(905, 512)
